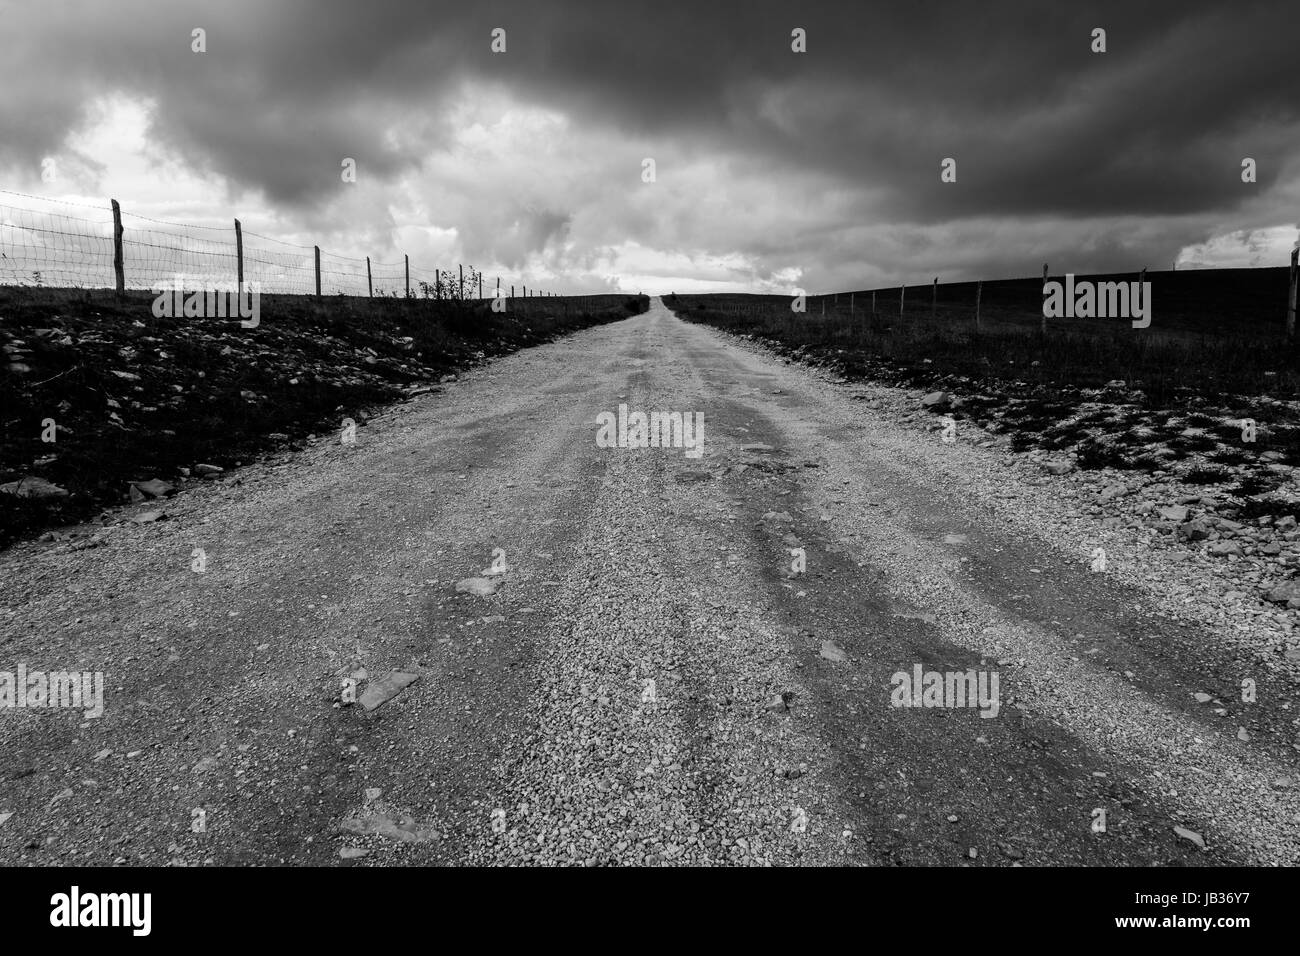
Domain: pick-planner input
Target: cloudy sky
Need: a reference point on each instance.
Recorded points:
(774, 170)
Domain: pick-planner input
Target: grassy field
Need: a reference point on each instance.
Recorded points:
(132, 397)
(1165, 398)
(1213, 333)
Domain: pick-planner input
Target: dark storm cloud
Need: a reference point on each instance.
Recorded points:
(1039, 125)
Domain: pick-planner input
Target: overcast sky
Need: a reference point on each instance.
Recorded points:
(774, 170)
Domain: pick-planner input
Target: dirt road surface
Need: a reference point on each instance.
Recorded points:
(652, 681)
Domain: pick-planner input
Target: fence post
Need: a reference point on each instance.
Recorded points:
(873, 302)
(462, 282)
(934, 297)
(370, 285)
(902, 294)
(1043, 326)
(480, 285)
(437, 284)
(1290, 311)
(512, 291)
(239, 255)
(119, 268)
(318, 270)
(851, 294)
(979, 289)
(408, 274)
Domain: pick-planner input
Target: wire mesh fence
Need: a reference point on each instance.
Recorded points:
(56, 248)
(78, 245)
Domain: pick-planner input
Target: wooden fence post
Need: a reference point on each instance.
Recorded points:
(1290, 311)
(1142, 278)
(934, 297)
(370, 284)
(239, 256)
(480, 285)
(318, 270)
(902, 294)
(119, 266)
(408, 274)
(979, 289)
(851, 294)
(1043, 326)
(873, 303)
(462, 282)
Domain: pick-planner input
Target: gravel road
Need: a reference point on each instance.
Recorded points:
(651, 680)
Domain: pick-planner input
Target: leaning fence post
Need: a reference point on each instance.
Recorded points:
(370, 284)
(239, 255)
(408, 274)
(119, 269)
(1290, 311)
(318, 270)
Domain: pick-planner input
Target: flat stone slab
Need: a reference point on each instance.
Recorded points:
(479, 587)
(403, 829)
(832, 652)
(386, 688)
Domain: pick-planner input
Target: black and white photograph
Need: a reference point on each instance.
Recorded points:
(834, 435)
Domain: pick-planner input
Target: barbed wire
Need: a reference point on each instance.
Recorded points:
(39, 247)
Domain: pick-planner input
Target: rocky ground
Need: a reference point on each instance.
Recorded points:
(104, 402)
(475, 636)
(1219, 533)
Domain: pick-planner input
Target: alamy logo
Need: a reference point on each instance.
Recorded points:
(209, 300)
(103, 909)
(946, 689)
(81, 689)
(1098, 300)
(656, 430)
